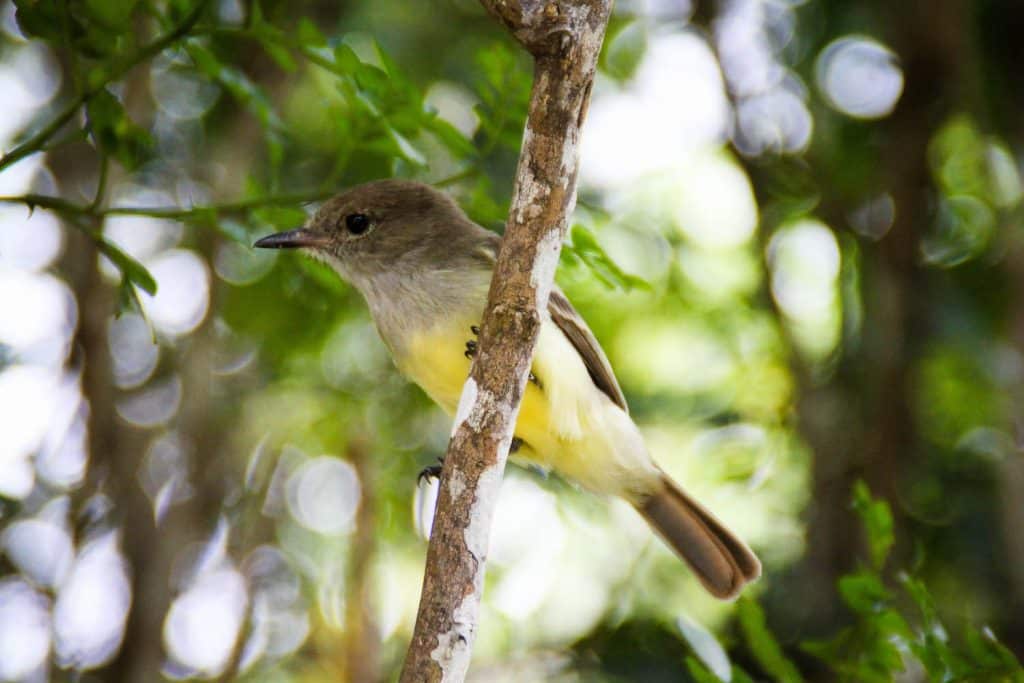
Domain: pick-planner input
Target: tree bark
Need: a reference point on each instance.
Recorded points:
(564, 38)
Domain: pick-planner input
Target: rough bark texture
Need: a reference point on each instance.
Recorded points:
(565, 40)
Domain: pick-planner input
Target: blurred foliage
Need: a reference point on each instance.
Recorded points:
(807, 272)
(892, 636)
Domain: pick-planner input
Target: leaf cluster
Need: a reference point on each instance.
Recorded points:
(896, 628)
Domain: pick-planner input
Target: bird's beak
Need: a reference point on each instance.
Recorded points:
(293, 239)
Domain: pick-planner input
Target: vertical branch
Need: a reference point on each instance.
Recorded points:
(564, 38)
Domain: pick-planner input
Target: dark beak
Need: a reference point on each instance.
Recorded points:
(293, 239)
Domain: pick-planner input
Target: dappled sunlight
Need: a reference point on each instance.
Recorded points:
(25, 625)
(40, 317)
(204, 622)
(674, 106)
(154, 405)
(797, 239)
(860, 77)
(28, 242)
(714, 204)
(182, 297)
(323, 495)
(132, 352)
(805, 261)
(679, 356)
(278, 613)
(26, 407)
(41, 549)
(29, 78)
(163, 473)
(92, 605)
(770, 98)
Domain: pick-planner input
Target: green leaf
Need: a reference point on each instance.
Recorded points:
(763, 645)
(700, 673)
(247, 93)
(113, 15)
(310, 35)
(273, 40)
(706, 647)
(406, 149)
(450, 137)
(90, 28)
(346, 59)
(128, 300)
(585, 248)
(987, 652)
(504, 92)
(864, 592)
(923, 599)
(624, 50)
(133, 271)
(114, 133)
(864, 653)
(281, 55)
(877, 520)
(39, 18)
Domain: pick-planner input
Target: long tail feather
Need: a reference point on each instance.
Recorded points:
(722, 562)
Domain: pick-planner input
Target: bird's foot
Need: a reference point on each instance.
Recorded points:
(430, 472)
(471, 348)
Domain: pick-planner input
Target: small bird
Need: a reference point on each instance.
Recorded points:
(424, 269)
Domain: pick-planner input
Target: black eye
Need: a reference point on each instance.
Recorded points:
(357, 223)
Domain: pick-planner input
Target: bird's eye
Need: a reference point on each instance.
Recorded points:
(357, 223)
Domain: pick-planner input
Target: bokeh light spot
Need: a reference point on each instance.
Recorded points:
(203, 623)
(183, 292)
(92, 605)
(323, 495)
(40, 549)
(859, 77)
(714, 202)
(24, 630)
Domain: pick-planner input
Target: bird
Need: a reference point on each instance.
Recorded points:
(424, 269)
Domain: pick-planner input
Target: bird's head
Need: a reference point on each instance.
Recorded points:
(378, 226)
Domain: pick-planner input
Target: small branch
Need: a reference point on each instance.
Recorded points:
(68, 208)
(565, 39)
(95, 85)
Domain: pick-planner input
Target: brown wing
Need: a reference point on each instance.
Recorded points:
(576, 330)
(573, 327)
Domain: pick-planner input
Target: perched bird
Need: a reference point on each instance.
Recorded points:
(424, 269)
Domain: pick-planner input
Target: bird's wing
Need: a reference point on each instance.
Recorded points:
(575, 330)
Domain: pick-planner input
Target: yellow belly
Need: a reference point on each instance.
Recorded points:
(566, 424)
(437, 362)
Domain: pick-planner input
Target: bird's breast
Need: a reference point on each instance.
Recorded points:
(564, 422)
(554, 405)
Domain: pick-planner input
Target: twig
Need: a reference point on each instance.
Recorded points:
(564, 38)
(68, 208)
(95, 85)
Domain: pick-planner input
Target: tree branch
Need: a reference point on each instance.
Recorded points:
(565, 39)
(68, 208)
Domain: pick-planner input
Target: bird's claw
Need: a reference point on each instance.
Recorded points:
(430, 472)
(472, 345)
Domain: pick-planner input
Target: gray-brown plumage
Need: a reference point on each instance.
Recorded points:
(424, 269)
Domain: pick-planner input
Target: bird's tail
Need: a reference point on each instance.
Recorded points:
(722, 562)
